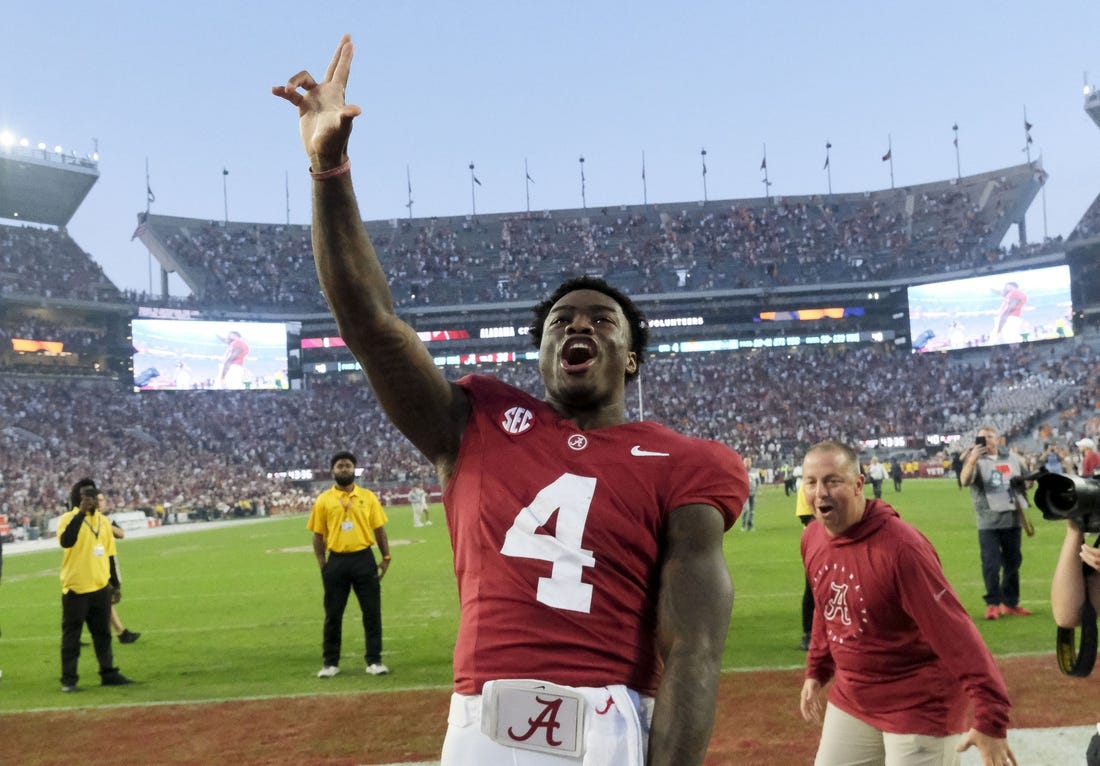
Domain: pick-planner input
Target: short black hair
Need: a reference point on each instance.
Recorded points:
(75, 491)
(639, 332)
(342, 455)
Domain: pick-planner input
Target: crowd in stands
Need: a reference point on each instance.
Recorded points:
(1089, 225)
(48, 263)
(210, 453)
(224, 453)
(738, 244)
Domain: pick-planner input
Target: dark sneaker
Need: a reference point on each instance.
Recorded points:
(805, 644)
(115, 679)
(128, 636)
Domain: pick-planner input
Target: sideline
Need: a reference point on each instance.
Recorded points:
(49, 542)
(1062, 746)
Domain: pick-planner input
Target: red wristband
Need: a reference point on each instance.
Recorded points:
(339, 170)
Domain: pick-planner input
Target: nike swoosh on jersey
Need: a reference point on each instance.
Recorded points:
(637, 451)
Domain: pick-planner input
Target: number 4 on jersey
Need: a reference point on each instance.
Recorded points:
(569, 496)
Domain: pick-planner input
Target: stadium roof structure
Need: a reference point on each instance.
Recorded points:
(1092, 104)
(42, 186)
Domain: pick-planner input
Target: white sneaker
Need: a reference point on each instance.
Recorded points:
(427, 523)
(377, 669)
(328, 671)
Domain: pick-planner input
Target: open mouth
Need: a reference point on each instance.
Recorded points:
(578, 354)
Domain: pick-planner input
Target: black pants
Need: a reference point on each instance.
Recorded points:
(1001, 559)
(94, 609)
(807, 592)
(342, 573)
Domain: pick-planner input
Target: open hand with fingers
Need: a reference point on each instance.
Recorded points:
(325, 119)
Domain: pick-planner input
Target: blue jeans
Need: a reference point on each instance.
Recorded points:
(1001, 559)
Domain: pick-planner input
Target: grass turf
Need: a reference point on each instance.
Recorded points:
(234, 611)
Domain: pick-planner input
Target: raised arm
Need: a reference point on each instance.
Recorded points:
(430, 411)
(693, 615)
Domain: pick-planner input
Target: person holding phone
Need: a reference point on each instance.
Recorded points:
(988, 475)
(89, 586)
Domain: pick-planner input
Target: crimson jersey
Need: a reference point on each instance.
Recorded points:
(557, 537)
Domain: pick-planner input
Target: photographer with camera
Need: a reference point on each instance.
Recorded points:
(988, 474)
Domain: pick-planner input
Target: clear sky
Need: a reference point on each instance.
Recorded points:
(442, 84)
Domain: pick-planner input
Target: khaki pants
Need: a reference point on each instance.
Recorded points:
(848, 741)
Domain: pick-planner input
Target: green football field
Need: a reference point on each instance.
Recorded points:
(233, 610)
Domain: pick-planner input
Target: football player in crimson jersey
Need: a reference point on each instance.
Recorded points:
(588, 549)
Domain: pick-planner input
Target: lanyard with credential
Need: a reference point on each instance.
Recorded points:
(95, 530)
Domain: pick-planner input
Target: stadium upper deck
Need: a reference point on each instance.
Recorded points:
(732, 245)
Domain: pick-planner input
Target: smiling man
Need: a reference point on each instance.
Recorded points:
(889, 631)
(594, 594)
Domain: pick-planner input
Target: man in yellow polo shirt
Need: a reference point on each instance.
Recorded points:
(347, 521)
(89, 585)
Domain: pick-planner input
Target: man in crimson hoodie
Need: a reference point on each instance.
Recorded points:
(903, 654)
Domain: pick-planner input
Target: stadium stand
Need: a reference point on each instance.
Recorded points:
(221, 454)
(731, 244)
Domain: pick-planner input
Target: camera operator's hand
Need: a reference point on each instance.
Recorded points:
(1090, 554)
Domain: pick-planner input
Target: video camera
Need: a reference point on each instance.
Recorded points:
(1074, 498)
(1077, 499)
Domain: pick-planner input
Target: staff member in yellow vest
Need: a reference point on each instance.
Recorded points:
(347, 521)
(89, 585)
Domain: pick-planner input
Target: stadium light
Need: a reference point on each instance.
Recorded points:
(6, 139)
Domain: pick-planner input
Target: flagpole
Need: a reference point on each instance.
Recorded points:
(645, 192)
(473, 195)
(584, 202)
(890, 156)
(148, 189)
(703, 154)
(764, 167)
(527, 185)
(1043, 181)
(1027, 136)
(958, 165)
(409, 187)
(828, 167)
(149, 199)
